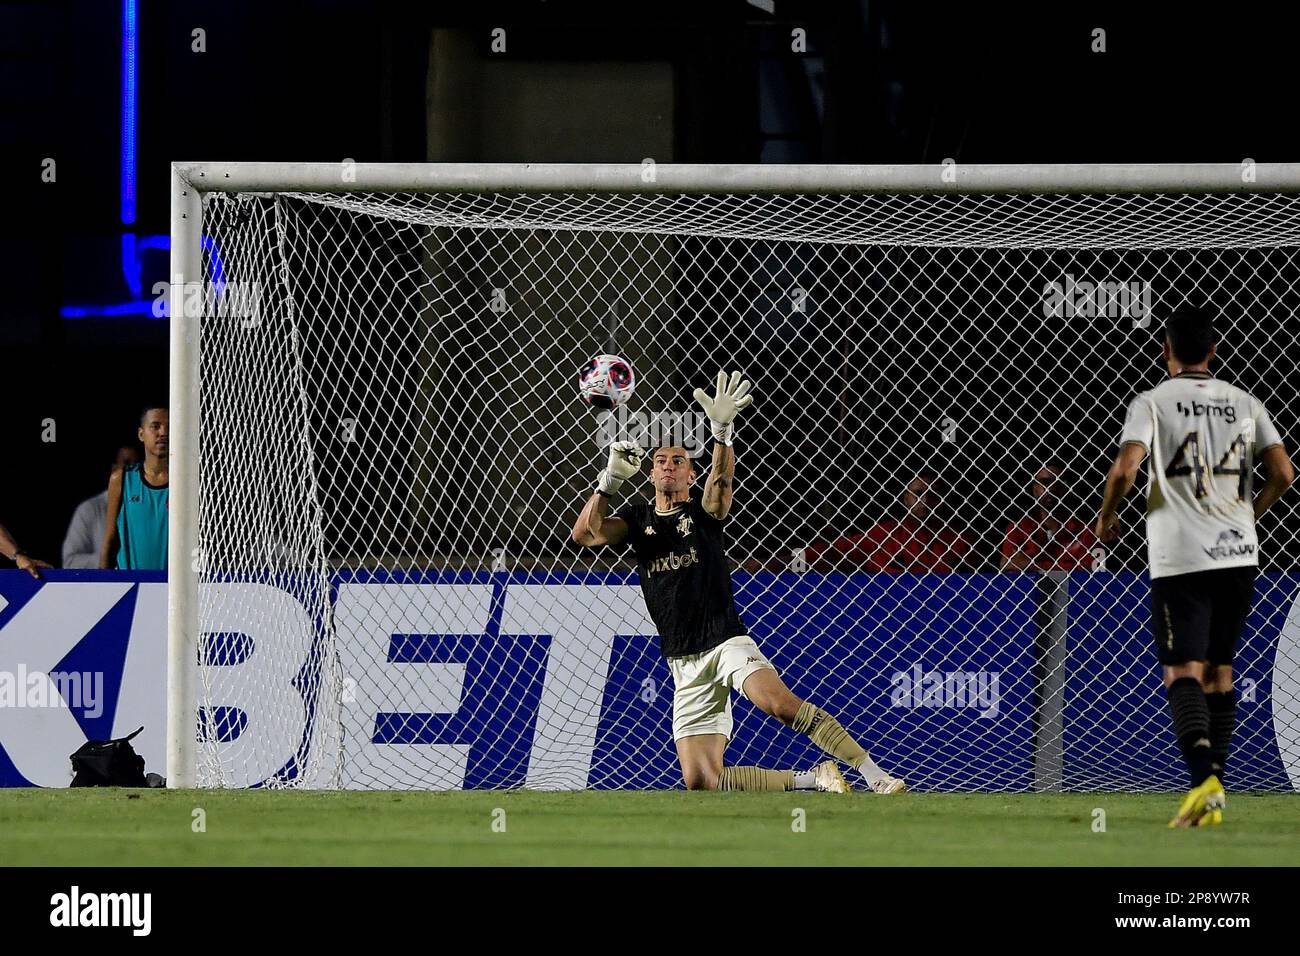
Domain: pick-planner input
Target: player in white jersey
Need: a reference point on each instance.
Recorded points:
(1204, 437)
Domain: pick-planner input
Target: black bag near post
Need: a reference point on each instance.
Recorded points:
(108, 763)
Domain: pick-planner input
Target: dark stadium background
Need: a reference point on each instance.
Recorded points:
(903, 82)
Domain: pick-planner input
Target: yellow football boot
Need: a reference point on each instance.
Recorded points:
(1206, 798)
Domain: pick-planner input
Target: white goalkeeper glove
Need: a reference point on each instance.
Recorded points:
(624, 463)
(730, 398)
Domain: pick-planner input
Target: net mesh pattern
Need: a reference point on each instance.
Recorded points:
(392, 454)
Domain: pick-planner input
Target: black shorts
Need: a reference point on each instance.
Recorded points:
(1200, 616)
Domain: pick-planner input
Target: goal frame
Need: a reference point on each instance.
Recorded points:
(190, 181)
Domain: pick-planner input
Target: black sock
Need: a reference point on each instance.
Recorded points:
(1191, 726)
(1223, 719)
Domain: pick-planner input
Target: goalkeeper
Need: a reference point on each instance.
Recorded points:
(678, 542)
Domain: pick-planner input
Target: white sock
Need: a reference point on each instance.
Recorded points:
(805, 779)
(869, 770)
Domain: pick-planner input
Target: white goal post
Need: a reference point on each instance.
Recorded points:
(377, 451)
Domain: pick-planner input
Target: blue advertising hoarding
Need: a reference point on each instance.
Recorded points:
(555, 681)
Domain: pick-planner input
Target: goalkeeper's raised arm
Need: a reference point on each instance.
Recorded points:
(730, 398)
(594, 526)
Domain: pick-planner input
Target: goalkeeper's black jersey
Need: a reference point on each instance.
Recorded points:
(684, 575)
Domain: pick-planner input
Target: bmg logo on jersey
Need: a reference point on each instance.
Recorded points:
(1227, 411)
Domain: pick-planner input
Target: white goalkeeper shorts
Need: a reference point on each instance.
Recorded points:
(702, 686)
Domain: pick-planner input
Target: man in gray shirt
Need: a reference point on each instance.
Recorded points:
(86, 530)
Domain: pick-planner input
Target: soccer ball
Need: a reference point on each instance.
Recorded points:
(606, 381)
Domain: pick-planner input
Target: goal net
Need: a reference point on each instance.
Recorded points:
(388, 454)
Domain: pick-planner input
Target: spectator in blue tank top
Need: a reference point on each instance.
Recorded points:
(85, 535)
(136, 535)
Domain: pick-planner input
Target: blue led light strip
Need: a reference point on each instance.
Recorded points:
(129, 40)
(133, 245)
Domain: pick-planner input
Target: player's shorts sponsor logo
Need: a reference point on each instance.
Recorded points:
(672, 562)
(1225, 410)
(978, 690)
(1230, 544)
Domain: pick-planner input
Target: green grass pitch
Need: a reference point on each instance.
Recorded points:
(674, 828)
